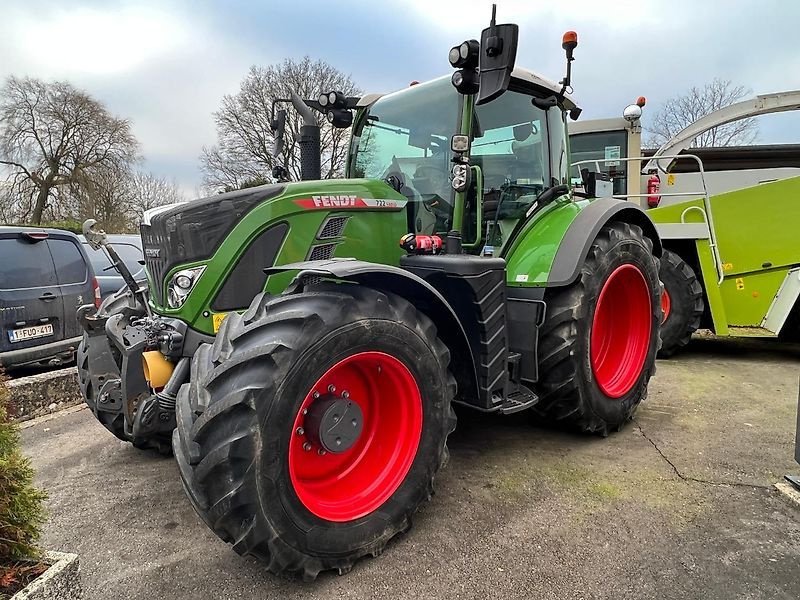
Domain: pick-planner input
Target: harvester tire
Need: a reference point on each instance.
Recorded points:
(682, 303)
(598, 344)
(251, 440)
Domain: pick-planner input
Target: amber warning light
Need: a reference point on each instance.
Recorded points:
(569, 41)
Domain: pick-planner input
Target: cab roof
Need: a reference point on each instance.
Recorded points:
(525, 76)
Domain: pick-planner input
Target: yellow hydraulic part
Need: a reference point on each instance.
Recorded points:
(157, 369)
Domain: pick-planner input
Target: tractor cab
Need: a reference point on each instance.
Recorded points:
(518, 151)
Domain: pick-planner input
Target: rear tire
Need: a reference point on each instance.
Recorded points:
(598, 344)
(682, 303)
(241, 433)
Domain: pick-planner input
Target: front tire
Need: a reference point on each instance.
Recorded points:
(257, 446)
(598, 344)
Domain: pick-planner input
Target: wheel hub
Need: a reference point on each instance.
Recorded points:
(334, 423)
(621, 331)
(341, 471)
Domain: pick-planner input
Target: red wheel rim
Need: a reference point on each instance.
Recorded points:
(666, 305)
(621, 331)
(343, 486)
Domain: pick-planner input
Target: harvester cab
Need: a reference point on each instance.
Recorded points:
(308, 362)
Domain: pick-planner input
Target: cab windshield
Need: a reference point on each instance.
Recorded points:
(407, 134)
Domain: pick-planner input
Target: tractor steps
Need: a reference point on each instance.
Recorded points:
(518, 401)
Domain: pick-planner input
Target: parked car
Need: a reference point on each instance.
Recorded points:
(45, 275)
(129, 248)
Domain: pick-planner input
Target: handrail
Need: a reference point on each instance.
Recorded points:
(478, 174)
(709, 218)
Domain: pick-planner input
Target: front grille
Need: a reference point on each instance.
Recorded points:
(332, 228)
(321, 252)
(155, 247)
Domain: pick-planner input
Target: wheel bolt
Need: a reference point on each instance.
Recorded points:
(321, 452)
(305, 411)
(300, 431)
(345, 394)
(354, 423)
(338, 441)
(315, 395)
(336, 418)
(331, 388)
(307, 446)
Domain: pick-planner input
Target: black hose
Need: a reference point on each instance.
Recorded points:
(178, 378)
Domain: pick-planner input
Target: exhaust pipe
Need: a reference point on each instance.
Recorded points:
(310, 162)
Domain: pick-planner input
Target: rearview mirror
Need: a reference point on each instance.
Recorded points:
(498, 54)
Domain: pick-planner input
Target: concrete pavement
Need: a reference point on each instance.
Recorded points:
(680, 504)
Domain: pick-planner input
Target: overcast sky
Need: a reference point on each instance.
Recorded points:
(166, 64)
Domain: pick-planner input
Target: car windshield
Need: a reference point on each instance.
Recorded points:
(130, 255)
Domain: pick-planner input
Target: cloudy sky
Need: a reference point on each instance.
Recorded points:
(166, 64)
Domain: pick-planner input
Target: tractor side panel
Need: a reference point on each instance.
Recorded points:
(530, 258)
(756, 230)
(330, 226)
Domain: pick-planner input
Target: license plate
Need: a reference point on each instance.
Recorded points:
(29, 333)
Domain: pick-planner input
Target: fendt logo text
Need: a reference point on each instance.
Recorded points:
(335, 201)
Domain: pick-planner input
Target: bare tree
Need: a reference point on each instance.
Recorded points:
(150, 191)
(244, 138)
(53, 135)
(680, 111)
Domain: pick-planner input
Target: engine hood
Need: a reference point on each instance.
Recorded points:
(192, 231)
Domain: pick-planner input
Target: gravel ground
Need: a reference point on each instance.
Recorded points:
(680, 504)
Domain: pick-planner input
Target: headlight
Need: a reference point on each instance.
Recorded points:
(460, 177)
(181, 284)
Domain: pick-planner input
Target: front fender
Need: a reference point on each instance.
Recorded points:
(529, 259)
(584, 229)
(413, 288)
(551, 249)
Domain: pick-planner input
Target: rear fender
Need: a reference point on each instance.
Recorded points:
(583, 230)
(416, 290)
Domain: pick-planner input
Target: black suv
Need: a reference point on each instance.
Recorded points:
(44, 277)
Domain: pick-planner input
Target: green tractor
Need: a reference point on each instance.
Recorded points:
(309, 364)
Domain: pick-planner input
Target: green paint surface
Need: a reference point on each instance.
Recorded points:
(370, 234)
(531, 255)
(758, 240)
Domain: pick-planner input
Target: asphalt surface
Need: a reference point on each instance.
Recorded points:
(680, 504)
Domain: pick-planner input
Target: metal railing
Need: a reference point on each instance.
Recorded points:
(708, 217)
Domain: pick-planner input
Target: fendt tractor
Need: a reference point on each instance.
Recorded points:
(308, 363)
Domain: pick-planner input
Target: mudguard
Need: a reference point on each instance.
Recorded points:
(551, 247)
(413, 288)
(584, 229)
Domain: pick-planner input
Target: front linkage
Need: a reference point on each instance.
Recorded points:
(122, 371)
